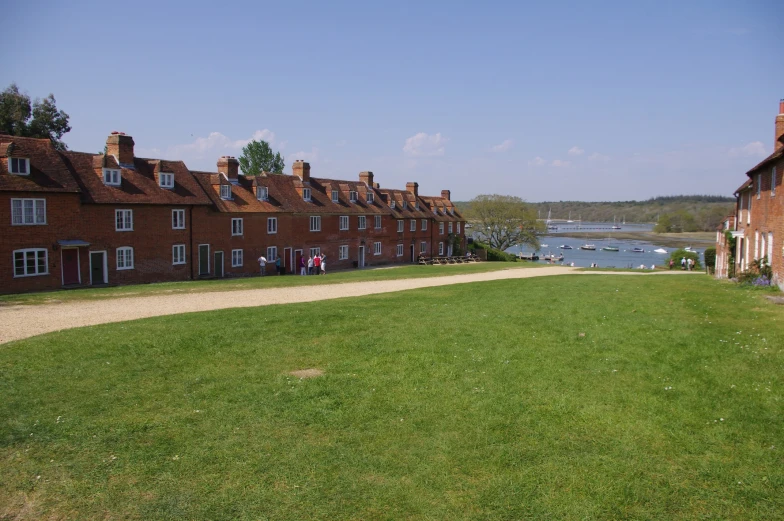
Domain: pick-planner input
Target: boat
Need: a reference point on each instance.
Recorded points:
(543, 245)
(552, 257)
(528, 256)
(610, 248)
(615, 226)
(565, 247)
(660, 250)
(591, 247)
(687, 248)
(638, 250)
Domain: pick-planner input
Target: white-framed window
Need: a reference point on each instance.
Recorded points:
(28, 211)
(166, 180)
(343, 252)
(400, 224)
(361, 222)
(392, 204)
(236, 258)
(178, 254)
(413, 225)
(440, 228)
(30, 261)
(377, 222)
(262, 193)
(225, 191)
(236, 226)
(315, 251)
(112, 177)
(123, 220)
(458, 227)
(18, 166)
(370, 197)
(272, 253)
(376, 248)
(344, 222)
(272, 225)
(178, 219)
(450, 228)
(440, 248)
(306, 194)
(335, 196)
(399, 250)
(125, 258)
(424, 225)
(758, 182)
(773, 181)
(352, 196)
(422, 247)
(416, 205)
(315, 223)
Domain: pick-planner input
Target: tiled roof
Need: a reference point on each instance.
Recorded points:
(775, 155)
(48, 171)
(743, 187)
(409, 212)
(446, 210)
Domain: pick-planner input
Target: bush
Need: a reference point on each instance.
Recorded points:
(677, 255)
(710, 258)
(492, 253)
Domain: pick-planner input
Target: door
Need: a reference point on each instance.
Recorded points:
(70, 259)
(449, 251)
(297, 260)
(288, 261)
(412, 253)
(219, 264)
(204, 259)
(361, 260)
(98, 267)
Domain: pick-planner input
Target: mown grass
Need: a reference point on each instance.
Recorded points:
(572, 397)
(268, 281)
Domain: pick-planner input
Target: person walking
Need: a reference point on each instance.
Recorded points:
(303, 266)
(323, 264)
(317, 265)
(683, 263)
(262, 264)
(310, 265)
(278, 266)
(672, 263)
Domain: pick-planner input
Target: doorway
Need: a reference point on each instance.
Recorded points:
(412, 253)
(297, 261)
(219, 264)
(204, 260)
(361, 260)
(288, 261)
(98, 269)
(70, 266)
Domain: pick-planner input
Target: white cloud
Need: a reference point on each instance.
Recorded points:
(537, 161)
(422, 145)
(753, 149)
(596, 156)
(560, 163)
(576, 151)
(503, 147)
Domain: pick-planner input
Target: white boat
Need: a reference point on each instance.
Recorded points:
(543, 245)
(660, 250)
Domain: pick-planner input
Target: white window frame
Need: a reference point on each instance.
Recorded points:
(262, 193)
(370, 197)
(112, 176)
(451, 228)
(272, 225)
(399, 251)
(392, 204)
(122, 255)
(178, 254)
(272, 253)
(376, 248)
(178, 219)
(166, 180)
(343, 222)
(416, 205)
(413, 225)
(34, 252)
(440, 249)
(237, 226)
(361, 222)
(422, 247)
(424, 225)
(401, 225)
(124, 223)
(315, 251)
(19, 214)
(315, 223)
(352, 196)
(343, 252)
(335, 196)
(236, 258)
(441, 228)
(225, 192)
(377, 222)
(306, 195)
(19, 160)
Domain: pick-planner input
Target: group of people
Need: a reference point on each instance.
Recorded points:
(279, 269)
(315, 265)
(686, 263)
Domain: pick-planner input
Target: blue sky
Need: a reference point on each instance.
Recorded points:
(575, 101)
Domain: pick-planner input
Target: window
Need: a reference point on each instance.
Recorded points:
(123, 220)
(370, 197)
(458, 228)
(400, 225)
(272, 253)
(413, 225)
(335, 196)
(758, 182)
(315, 251)
(166, 180)
(361, 222)
(315, 223)
(236, 226)
(342, 252)
(344, 222)
(399, 250)
(440, 248)
(30, 262)
(424, 225)
(178, 254)
(352, 196)
(306, 194)
(262, 193)
(225, 191)
(28, 211)
(272, 225)
(376, 248)
(402, 205)
(236, 258)
(125, 258)
(773, 181)
(416, 205)
(450, 228)
(377, 222)
(392, 205)
(422, 247)
(112, 177)
(178, 219)
(18, 166)
(441, 228)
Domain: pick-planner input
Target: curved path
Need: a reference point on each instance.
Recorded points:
(17, 322)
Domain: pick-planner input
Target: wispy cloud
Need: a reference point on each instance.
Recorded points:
(537, 161)
(753, 149)
(560, 163)
(596, 156)
(503, 147)
(576, 151)
(423, 145)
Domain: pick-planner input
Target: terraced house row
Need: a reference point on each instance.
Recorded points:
(758, 222)
(72, 219)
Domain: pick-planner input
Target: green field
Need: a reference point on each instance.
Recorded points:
(570, 397)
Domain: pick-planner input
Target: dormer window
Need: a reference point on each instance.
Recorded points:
(335, 196)
(402, 205)
(416, 205)
(392, 205)
(112, 177)
(262, 193)
(18, 166)
(352, 196)
(166, 180)
(306, 194)
(370, 198)
(225, 191)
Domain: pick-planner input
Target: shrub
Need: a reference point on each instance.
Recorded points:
(677, 255)
(492, 253)
(710, 258)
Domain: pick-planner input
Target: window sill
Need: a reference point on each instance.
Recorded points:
(123, 230)
(125, 269)
(30, 275)
(29, 224)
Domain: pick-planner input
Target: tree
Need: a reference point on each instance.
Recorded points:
(504, 221)
(257, 157)
(47, 122)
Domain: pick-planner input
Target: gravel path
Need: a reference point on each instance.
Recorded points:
(17, 322)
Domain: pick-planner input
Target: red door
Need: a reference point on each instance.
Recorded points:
(70, 266)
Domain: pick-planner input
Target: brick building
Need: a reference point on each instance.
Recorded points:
(758, 226)
(72, 219)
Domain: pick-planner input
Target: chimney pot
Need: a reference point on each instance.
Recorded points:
(301, 169)
(367, 178)
(121, 147)
(413, 188)
(446, 194)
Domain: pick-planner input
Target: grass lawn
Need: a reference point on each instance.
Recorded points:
(570, 397)
(269, 281)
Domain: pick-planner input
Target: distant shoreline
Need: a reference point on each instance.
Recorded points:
(671, 240)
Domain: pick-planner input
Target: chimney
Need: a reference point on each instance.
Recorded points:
(229, 166)
(367, 178)
(412, 188)
(446, 194)
(302, 170)
(121, 147)
(778, 143)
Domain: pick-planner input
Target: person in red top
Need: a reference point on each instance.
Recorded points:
(317, 265)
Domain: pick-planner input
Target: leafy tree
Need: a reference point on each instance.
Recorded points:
(504, 221)
(664, 224)
(257, 157)
(47, 122)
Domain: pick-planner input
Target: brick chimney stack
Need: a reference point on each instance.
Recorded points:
(229, 166)
(367, 178)
(302, 170)
(121, 147)
(412, 188)
(777, 143)
(446, 194)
